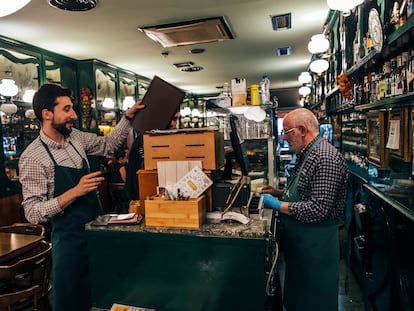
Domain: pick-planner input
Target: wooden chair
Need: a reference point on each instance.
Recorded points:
(25, 281)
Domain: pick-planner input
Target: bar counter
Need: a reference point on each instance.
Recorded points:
(220, 266)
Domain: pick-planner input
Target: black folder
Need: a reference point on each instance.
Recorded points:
(162, 100)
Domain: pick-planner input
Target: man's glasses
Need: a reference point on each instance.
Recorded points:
(285, 132)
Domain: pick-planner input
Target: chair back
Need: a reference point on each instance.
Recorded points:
(27, 275)
(24, 228)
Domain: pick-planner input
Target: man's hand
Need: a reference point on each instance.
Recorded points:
(273, 191)
(270, 201)
(130, 113)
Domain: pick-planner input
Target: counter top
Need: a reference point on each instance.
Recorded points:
(256, 228)
(403, 204)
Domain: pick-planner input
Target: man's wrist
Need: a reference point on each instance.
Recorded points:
(128, 117)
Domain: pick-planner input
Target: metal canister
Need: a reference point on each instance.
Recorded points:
(254, 95)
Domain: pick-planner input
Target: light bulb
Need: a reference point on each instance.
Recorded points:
(304, 90)
(305, 77)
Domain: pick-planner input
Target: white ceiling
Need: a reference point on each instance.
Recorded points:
(109, 33)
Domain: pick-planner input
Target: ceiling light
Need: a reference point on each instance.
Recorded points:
(318, 44)
(304, 90)
(305, 77)
(11, 6)
(343, 5)
(318, 66)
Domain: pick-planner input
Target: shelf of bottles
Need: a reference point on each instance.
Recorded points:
(354, 141)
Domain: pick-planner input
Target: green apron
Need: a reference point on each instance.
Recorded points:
(70, 262)
(312, 257)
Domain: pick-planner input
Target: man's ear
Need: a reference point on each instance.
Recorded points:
(47, 114)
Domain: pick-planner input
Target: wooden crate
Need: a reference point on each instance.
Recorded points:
(177, 213)
(148, 182)
(207, 146)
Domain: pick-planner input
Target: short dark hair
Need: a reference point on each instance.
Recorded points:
(45, 98)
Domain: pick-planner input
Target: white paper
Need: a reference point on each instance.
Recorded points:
(194, 183)
(394, 135)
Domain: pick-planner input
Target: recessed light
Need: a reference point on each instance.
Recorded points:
(282, 21)
(283, 51)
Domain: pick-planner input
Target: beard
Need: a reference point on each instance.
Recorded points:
(62, 128)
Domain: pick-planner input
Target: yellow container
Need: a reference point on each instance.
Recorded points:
(254, 95)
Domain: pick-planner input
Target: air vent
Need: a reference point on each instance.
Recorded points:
(189, 32)
(74, 5)
(184, 64)
(282, 21)
(192, 69)
(283, 51)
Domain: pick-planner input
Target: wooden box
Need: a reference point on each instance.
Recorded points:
(206, 146)
(148, 182)
(177, 213)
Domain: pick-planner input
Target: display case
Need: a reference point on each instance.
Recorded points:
(376, 130)
(354, 141)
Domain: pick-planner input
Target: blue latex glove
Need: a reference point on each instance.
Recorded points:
(271, 201)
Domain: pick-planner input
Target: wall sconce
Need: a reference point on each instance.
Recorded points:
(11, 6)
(318, 44)
(304, 90)
(108, 103)
(343, 5)
(304, 77)
(28, 96)
(8, 89)
(127, 103)
(319, 65)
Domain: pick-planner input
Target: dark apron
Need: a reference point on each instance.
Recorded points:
(312, 257)
(70, 264)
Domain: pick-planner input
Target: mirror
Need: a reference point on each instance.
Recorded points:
(128, 88)
(52, 72)
(105, 86)
(22, 68)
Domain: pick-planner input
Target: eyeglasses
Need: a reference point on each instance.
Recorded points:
(285, 132)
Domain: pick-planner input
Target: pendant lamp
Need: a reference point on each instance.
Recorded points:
(8, 7)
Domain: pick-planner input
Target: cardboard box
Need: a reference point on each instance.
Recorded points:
(206, 146)
(178, 214)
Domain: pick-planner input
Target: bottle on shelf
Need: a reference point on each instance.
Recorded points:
(265, 90)
(410, 72)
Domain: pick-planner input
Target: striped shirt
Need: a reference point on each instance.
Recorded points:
(322, 185)
(37, 172)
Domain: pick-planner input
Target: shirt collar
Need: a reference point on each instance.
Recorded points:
(51, 143)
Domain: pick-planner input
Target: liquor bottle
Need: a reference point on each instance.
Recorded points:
(265, 90)
(382, 85)
(387, 78)
(393, 76)
(367, 86)
(410, 72)
(395, 16)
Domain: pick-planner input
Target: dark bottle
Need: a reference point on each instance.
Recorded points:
(410, 72)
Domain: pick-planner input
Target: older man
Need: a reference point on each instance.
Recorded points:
(312, 208)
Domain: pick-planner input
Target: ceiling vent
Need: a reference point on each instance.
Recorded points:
(282, 21)
(283, 51)
(74, 5)
(189, 32)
